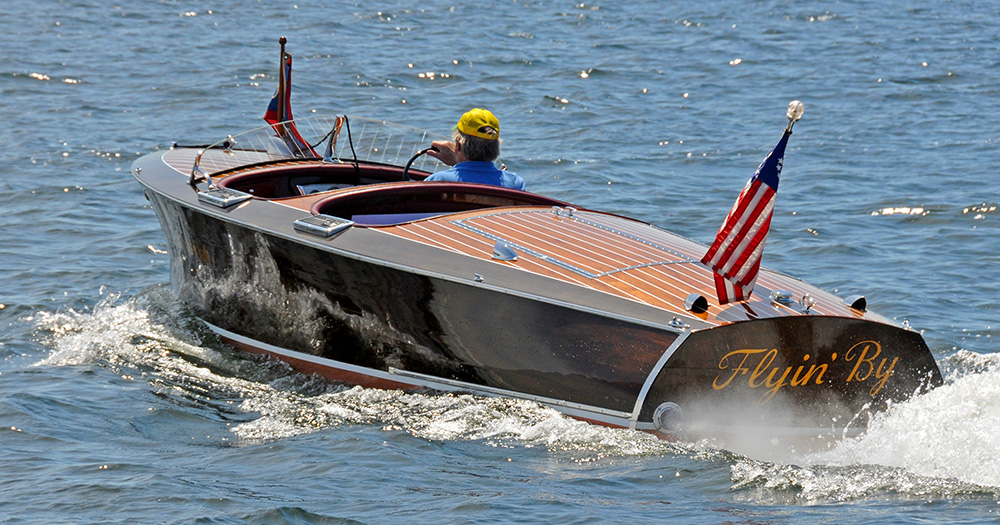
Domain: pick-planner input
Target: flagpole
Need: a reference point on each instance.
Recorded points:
(734, 257)
(282, 88)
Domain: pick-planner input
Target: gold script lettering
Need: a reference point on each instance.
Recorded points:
(882, 373)
(774, 386)
(759, 365)
(883, 376)
(762, 367)
(796, 381)
(863, 358)
(740, 369)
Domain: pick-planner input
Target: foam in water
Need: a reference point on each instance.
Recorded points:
(940, 444)
(145, 337)
(950, 432)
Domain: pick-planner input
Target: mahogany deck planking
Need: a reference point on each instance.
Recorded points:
(623, 257)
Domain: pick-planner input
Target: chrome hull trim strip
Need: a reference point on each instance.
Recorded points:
(575, 410)
(604, 415)
(641, 399)
(322, 361)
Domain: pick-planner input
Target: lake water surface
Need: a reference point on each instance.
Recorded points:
(117, 406)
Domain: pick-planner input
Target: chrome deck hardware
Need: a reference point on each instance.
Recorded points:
(807, 302)
(223, 197)
(503, 252)
(696, 303)
(322, 225)
(677, 322)
(858, 302)
(782, 297)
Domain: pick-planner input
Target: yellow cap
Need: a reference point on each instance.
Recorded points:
(480, 123)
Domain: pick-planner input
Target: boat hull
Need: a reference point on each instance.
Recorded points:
(378, 318)
(298, 301)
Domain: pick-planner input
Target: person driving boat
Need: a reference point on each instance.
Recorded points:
(471, 154)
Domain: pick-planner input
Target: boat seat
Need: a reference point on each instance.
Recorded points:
(309, 189)
(396, 203)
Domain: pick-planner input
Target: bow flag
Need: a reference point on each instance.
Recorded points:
(734, 257)
(279, 110)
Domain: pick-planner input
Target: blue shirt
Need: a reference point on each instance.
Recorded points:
(479, 172)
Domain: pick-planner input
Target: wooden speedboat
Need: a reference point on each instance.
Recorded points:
(316, 241)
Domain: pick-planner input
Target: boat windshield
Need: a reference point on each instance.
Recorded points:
(337, 138)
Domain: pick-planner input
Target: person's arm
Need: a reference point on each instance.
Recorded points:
(446, 151)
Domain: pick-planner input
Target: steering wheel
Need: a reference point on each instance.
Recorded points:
(406, 170)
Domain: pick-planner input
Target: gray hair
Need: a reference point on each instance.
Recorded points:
(475, 148)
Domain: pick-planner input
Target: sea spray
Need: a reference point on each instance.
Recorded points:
(952, 431)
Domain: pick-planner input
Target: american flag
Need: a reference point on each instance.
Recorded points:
(279, 110)
(734, 257)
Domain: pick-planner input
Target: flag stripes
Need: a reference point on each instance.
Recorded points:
(279, 111)
(735, 255)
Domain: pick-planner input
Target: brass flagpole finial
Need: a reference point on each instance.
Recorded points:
(794, 113)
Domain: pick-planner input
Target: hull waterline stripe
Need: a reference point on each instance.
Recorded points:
(509, 393)
(577, 410)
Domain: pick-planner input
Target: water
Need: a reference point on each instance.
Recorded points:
(117, 406)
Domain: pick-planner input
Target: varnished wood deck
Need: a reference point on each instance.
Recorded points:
(607, 253)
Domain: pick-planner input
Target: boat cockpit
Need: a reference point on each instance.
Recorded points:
(372, 194)
(373, 178)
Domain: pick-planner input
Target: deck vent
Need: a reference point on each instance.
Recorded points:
(696, 303)
(858, 302)
(503, 252)
(322, 225)
(223, 197)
